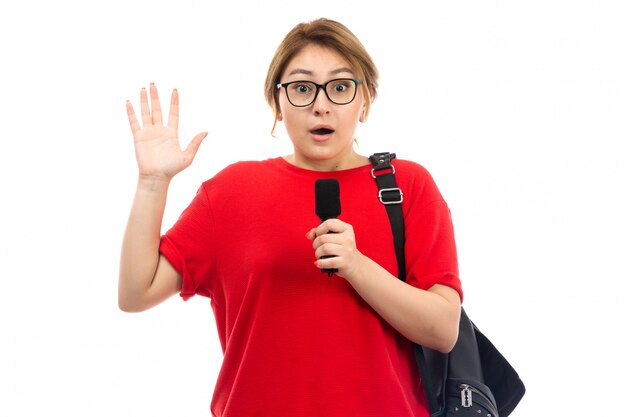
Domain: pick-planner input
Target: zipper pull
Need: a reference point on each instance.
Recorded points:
(466, 395)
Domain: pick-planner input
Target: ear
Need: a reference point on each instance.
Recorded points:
(362, 116)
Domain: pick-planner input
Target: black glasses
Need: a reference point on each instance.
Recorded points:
(303, 93)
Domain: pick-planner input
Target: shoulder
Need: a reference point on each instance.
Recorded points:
(412, 174)
(410, 168)
(243, 172)
(244, 179)
(246, 167)
(416, 182)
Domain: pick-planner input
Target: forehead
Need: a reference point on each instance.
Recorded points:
(317, 61)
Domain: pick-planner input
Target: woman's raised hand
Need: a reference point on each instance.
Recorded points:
(157, 148)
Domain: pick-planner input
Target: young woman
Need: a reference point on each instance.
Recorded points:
(295, 342)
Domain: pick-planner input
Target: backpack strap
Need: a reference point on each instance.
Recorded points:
(391, 196)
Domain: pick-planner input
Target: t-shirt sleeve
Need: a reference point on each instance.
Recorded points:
(189, 247)
(430, 247)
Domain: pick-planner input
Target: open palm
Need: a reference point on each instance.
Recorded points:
(157, 148)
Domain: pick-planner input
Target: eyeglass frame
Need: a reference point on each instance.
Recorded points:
(318, 88)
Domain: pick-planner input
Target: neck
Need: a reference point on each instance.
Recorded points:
(354, 160)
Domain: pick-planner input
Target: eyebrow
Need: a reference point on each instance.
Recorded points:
(309, 72)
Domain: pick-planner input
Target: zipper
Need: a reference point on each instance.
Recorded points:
(466, 395)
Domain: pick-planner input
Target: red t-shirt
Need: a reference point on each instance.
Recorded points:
(297, 343)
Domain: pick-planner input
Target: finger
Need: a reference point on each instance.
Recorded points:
(334, 262)
(322, 229)
(193, 146)
(132, 119)
(334, 238)
(172, 120)
(331, 225)
(145, 109)
(328, 249)
(157, 118)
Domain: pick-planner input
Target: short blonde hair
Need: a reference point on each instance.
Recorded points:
(326, 33)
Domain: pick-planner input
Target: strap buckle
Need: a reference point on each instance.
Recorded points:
(393, 171)
(390, 195)
(382, 160)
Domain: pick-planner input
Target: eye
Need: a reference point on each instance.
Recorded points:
(301, 88)
(342, 86)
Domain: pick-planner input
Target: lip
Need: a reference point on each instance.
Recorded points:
(318, 137)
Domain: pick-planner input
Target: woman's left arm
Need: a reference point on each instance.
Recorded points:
(429, 318)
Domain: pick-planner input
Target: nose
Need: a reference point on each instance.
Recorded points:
(321, 104)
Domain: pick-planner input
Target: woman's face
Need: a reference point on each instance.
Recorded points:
(322, 133)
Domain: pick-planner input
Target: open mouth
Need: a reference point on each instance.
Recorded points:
(323, 131)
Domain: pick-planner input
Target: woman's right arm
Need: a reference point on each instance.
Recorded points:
(146, 277)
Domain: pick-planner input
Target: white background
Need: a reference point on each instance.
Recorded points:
(517, 109)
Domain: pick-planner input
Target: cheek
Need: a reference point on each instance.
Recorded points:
(291, 117)
(288, 114)
(354, 111)
(292, 125)
(352, 115)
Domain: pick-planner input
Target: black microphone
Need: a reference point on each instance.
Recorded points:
(327, 206)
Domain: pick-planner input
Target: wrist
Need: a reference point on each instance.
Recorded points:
(152, 183)
(358, 273)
